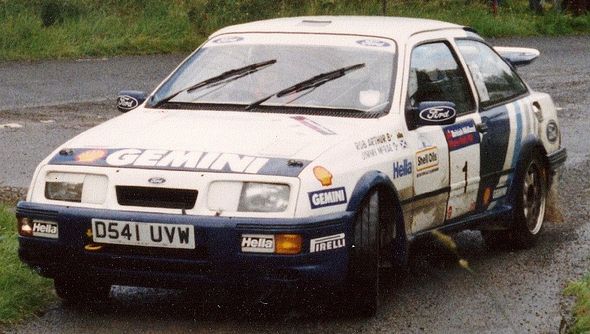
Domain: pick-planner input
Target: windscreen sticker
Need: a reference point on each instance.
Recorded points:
(313, 125)
(461, 135)
(178, 160)
(373, 43)
(228, 39)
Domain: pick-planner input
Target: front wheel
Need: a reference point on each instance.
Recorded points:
(363, 277)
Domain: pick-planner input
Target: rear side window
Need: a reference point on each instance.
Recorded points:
(435, 75)
(494, 79)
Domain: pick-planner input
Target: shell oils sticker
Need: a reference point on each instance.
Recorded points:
(328, 197)
(426, 161)
(461, 135)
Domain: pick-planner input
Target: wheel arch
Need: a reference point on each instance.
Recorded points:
(531, 145)
(376, 180)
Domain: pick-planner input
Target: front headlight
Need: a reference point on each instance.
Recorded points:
(72, 187)
(232, 196)
(264, 197)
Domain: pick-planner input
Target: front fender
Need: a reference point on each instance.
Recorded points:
(389, 196)
(366, 183)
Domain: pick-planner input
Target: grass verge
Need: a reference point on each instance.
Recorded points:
(580, 290)
(38, 29)
(22, 291)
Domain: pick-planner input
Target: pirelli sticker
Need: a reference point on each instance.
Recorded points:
(327, 243)
(178, 160)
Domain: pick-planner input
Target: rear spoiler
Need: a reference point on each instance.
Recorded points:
(518, 56)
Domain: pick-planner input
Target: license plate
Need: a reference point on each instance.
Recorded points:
(143, 234)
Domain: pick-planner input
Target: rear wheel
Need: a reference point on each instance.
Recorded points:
(530, 203)
(529, 211)
(80, 291)
(364, 263)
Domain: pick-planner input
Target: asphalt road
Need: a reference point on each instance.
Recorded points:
(503, 292)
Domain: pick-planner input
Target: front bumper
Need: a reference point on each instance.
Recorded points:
(557, 158)
(216, 260)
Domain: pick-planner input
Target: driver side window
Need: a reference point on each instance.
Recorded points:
(435, 75)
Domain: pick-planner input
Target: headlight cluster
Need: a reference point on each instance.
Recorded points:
(248, 196)
(73, 187)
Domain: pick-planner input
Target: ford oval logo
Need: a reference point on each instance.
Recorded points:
(157, 180)
(438, 114)
(127, 102)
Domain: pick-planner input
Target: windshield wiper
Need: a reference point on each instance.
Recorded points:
(222, 78)
(310, 83)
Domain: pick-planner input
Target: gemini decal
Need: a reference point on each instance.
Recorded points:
(329, 197)
(327, 243)
(185, 160)
(170, 160)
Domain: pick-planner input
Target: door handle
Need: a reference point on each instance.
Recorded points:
(481, 127)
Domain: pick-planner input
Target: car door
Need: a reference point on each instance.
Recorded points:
(447, 187)
(505, 118)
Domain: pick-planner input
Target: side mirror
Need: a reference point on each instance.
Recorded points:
(518, 56)
(130, 99)
(435, 113)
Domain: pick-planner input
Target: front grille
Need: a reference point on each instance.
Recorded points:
(156, 197)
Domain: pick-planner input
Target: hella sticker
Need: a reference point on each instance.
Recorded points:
(402, 168)
(258, 243)
(45, 229)
(329, 197)
(438, 114)
(126, 102)
(327, 243)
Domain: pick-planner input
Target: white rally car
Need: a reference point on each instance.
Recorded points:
(297, 151)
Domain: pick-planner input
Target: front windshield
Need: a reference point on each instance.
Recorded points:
(298, 58)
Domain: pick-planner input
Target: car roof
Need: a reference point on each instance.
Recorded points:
(397, 28)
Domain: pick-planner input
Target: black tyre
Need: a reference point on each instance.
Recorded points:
(363, 287)
(80, 291)
(529, 211)
(530, 202)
